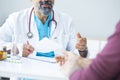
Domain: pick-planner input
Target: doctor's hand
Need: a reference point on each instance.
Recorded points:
(69, 62)
(81, 42)
(27, 49)
(81, 45)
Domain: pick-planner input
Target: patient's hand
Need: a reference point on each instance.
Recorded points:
(69, 63)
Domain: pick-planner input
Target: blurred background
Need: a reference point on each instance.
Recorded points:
(93, 18)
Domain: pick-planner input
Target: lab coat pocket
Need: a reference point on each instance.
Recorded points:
(61, 39)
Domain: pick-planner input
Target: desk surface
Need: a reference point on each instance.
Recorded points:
(31, 69)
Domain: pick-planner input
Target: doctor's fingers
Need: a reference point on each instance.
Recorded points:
(81, 44)
(26, 52)
(81, 47)
(28, 47)
(82, 40)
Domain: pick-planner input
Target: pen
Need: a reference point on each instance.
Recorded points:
(28, 44)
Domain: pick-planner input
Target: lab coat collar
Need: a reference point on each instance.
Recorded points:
(32, 16)
(52, 28)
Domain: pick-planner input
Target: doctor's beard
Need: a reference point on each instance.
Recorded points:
(45, 10)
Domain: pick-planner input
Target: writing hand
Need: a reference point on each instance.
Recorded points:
(27, 49)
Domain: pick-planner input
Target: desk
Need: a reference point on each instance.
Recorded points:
(30, 68)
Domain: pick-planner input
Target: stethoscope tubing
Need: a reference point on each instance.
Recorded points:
(30, 20)
(30, 34)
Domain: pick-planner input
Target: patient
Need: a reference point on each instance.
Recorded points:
(106, 66)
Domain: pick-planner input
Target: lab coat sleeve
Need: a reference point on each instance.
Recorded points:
(6, 31)
(72, 37)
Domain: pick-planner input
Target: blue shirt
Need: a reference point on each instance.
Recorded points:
(44, 31)
(43, 28)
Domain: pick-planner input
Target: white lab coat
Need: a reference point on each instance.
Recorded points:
(17, 25)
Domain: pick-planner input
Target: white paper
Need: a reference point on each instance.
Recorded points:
(46, 45)
(43, 59)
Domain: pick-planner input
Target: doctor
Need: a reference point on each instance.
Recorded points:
(38, 22)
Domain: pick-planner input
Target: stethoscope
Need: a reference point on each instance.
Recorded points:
(30, 34)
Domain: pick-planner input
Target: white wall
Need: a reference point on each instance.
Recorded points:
(9, 6)
(93, 18)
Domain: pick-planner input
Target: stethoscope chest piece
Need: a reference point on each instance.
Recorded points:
(30, 35)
